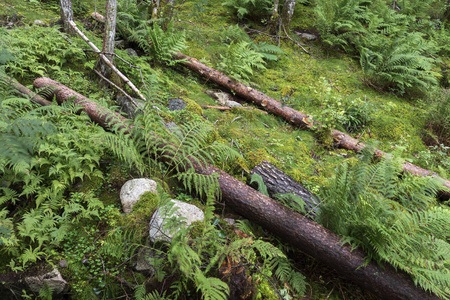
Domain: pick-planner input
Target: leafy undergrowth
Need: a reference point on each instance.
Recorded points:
(71, 183)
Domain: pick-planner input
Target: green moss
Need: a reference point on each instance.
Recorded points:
(147, 205)
(196, 229)
(193, 107)
(257, 156)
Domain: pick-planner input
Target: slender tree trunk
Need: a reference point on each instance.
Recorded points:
(66, 15)
(109, 37)
(294, 228)
(287, 13)
(293, 116)
(155, 9)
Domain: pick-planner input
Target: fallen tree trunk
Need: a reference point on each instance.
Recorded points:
(278, 182)
(26, 91)
(294, 228)
(293, 116)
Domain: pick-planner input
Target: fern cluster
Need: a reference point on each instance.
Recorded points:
(365, 28)
(41, 51)
(393, 219)
(44, 151)
(240, 61)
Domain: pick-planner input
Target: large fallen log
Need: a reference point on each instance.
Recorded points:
(294, 228)
(278, 182)
(293, 116)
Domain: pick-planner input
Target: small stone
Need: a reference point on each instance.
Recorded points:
(176, 104)
(307, 36)
(53, 279)
(131, 52)
(63, 263)
(230, 221)
(131, 192)
(39, 23)
(176, 209)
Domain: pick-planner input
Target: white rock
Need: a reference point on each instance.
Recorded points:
(39, 23)
(230, 221)
(232, 104)
(53, 279)
(143, 261)
(132, 190)
(189, 212)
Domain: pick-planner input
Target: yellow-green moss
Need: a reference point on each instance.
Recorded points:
(193, 107)
(257, 156)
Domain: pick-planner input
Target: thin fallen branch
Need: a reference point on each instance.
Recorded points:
(117, 87)
(297, 43)
(106, 60)
(122, 59)
(230, 108)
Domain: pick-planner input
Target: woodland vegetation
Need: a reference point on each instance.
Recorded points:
(349, 108)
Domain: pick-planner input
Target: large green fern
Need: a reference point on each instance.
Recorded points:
(393, 219)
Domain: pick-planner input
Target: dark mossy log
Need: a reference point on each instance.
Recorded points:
(278, 182)
(293, 116)
(299, 231)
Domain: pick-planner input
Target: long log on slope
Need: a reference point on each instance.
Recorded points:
(291, 115)
(294, 228)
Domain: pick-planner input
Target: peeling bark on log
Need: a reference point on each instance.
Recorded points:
(294, 228)
(293, 116)
(278, 182)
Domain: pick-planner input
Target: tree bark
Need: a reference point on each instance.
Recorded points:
(278, 182)
(67, 15)
(294, 228)
(109, 37)
(26, 91)
(293, 116)
(287, 13)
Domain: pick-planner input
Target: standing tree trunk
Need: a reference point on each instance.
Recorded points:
(67, 15)
(287, 13)
(109, 37)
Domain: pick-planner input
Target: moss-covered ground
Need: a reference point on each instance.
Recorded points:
(314, 85)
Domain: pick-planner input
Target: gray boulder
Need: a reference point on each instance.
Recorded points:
(130, 108)
(131, 52)
(174, 209)
(53, 279)
(132, 190)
